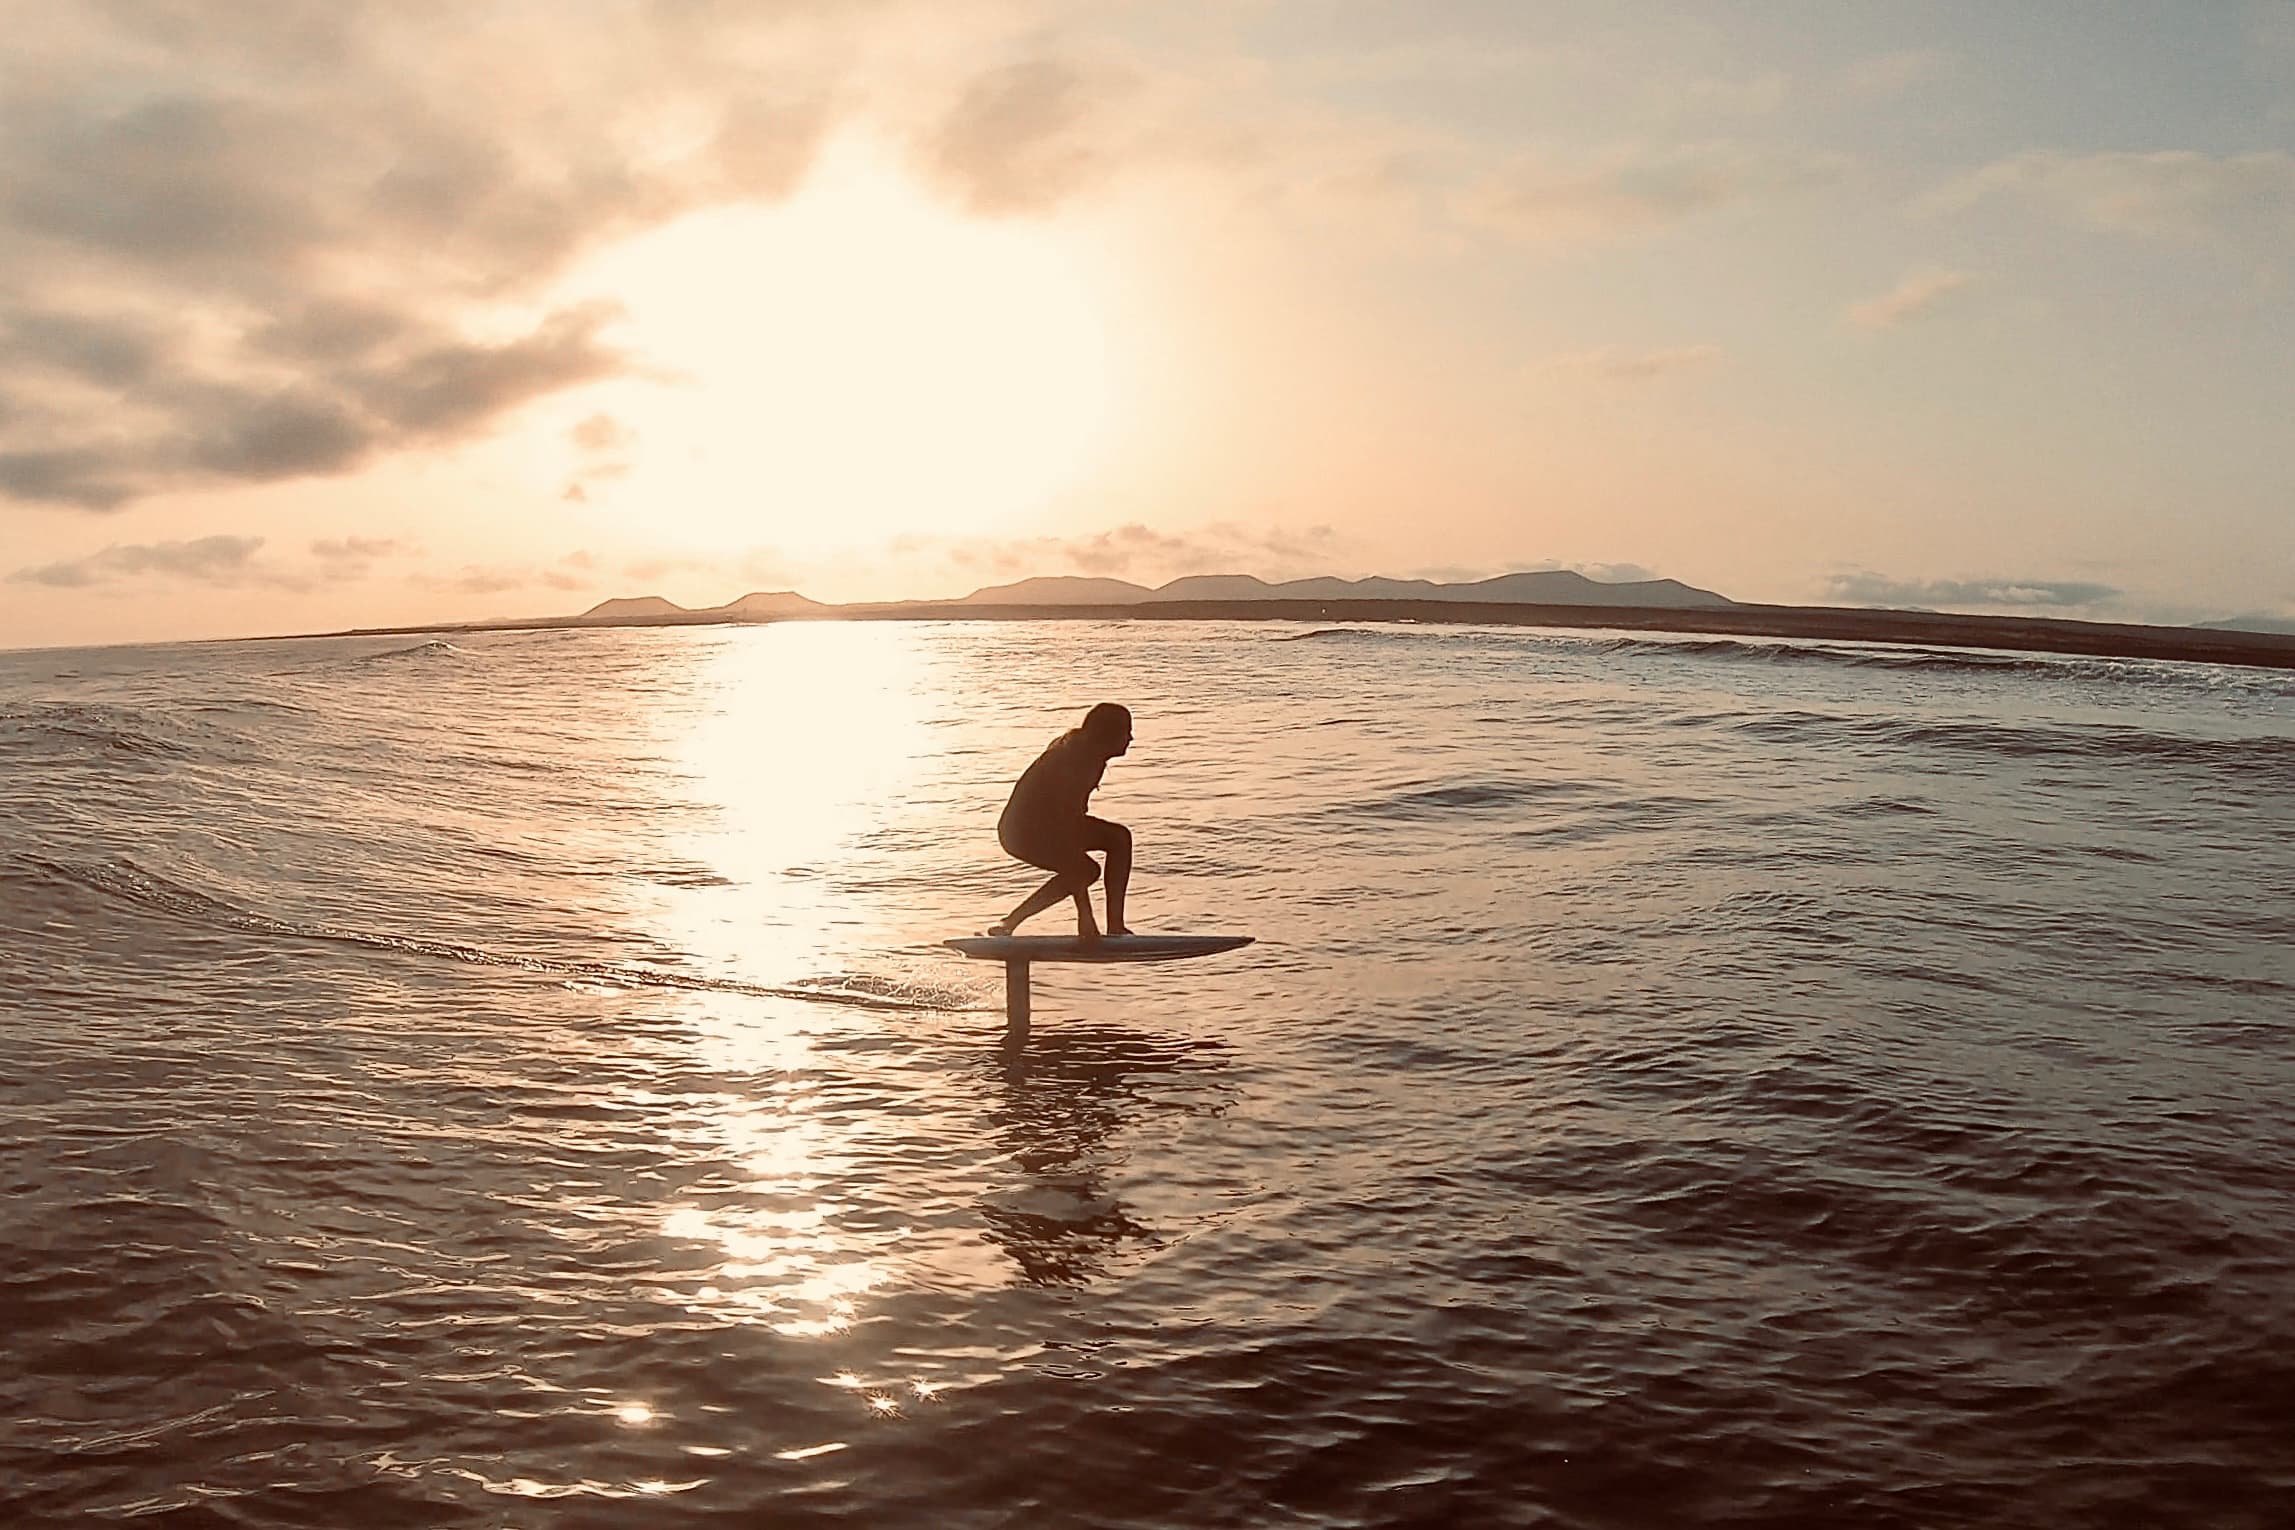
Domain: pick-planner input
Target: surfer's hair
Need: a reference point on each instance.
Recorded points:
(1106, 718)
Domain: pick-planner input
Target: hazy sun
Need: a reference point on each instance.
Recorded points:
(855, 363)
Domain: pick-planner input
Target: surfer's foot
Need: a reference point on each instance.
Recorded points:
(1119, 929)
(1000, 928)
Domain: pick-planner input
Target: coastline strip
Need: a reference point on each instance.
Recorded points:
(2117, 640)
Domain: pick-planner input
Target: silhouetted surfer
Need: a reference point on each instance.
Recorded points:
(1045, 823)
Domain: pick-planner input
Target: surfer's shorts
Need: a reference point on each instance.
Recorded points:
(1060, 852)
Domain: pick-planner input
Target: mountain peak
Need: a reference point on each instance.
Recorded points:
(770, 600)
(1060, 590)
(625, 607)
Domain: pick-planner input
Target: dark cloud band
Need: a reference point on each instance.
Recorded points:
(205, 560)
(1879, 590)
(219, 273)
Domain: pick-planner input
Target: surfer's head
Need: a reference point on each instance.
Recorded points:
(1109, 727)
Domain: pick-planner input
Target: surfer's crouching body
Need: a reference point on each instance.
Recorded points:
(1045, 824)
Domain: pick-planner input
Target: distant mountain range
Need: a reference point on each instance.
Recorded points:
(1550, 587)
(1548, 598)
(1545, 587)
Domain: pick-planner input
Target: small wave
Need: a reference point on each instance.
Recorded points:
(80, 726)
(333, 661)
(434, 648)
(2181, 674)
(1420, 800)
(2087, 668)
(1887, 805)
(679, 876)
(2266, 759)
(1757, 652)
(238, 704)
(1373, 634)
(132, 884)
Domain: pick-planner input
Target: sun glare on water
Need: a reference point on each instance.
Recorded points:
(856, 363)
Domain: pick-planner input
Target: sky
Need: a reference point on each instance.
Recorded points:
(319, 314)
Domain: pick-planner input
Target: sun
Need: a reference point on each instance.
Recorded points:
(855, 364)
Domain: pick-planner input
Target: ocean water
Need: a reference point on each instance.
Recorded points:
(515, 1081)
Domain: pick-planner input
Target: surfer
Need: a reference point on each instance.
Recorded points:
(1046, 825)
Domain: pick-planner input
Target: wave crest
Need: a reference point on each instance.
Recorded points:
(126, 882)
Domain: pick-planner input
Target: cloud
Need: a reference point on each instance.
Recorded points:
(597, 436)
(601, 433)
(1018, 139)
(646, 570)
(572, 572)
(1137, 552)
(1919, 295)
(1131, 548)
(1866, 589)
(102, 349)
(1638, 366)
(194, 429)
(473, 579)
(341, 559)
(222, 561)
(2162, 194)
(1547, 201)
(251, 244)
(217, 560)
(353, 549)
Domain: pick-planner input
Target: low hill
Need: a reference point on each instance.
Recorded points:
(768, 603)
(1223, 587)
(1562, 587)
(1060, 590)
(633, 608)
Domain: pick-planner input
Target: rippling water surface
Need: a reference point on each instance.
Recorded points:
(515, 1081)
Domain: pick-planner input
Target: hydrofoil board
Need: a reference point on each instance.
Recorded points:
(1108, 948)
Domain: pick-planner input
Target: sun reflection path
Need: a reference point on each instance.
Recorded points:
(808, 740)
(782, 1263)
(810, 737)
(835, 1163)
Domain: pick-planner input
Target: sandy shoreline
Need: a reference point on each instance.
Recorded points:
(1831, 623)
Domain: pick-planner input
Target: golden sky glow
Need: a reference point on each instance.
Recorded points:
(857, 363)
(401, 314)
